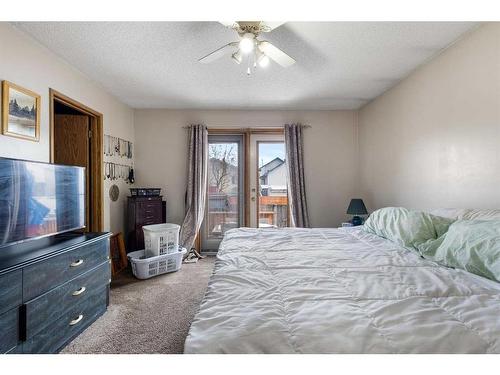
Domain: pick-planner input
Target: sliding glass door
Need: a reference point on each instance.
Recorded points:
(268, 186)
(225, 198)
(246, 184)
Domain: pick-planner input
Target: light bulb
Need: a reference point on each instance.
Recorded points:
(264, 61)
(247, 44)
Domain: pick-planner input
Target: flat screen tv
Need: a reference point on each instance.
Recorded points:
(39, 200)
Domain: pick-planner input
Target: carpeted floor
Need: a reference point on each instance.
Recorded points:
(148, 316)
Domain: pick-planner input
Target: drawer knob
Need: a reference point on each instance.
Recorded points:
(79, 291)
(76, 320)
(79, 262)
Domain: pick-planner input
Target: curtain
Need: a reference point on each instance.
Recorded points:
(196, 184)
(295, 175)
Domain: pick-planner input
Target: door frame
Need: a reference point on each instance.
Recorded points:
(246, 132)
(242, 175)
(96, 159)
(257, 181)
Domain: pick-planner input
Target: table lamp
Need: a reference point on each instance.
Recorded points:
(356, 208)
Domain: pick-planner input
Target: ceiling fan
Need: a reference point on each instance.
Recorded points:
(260, 51)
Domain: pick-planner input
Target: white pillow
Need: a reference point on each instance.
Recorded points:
(467, 213)
(450, 213)
(482, 214)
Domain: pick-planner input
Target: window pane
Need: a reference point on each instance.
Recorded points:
(273, 197)
(223, 188)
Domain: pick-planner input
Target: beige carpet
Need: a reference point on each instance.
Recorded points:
(148, 316)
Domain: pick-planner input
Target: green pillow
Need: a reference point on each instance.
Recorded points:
(471, 245)
(408, 228)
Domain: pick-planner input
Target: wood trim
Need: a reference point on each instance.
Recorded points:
(6, 85)
(118, 253)
(73, 103)
(257, 204)
(266, 130)
(246, 179)
(97, 177)
(96, 142)
(257, 201)
(246, 130)
(225, 131)
(51, 125)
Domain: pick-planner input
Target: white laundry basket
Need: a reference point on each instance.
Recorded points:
(144, 268)
(160, 239)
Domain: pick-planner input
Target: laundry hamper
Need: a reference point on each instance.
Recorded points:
(144, 268)
(160, 239)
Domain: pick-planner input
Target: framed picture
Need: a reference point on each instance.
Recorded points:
(20, 112)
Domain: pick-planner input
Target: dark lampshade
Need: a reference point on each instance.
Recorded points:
(357, 207)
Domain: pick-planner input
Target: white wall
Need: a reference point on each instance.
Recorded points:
(434, 139)
(26, 63)
(330, 154)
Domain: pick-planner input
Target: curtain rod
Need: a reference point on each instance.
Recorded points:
(254, 128)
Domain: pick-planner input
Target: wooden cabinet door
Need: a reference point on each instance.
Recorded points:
(72, 147)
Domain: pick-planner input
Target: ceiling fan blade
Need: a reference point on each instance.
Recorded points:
(268, 26)
(218, 53)
(276, 54)
(230, 24)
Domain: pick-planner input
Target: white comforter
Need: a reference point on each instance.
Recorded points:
(339, 291)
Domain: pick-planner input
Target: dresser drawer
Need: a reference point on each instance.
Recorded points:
(152, 215)
(147, 220)
(11, 290)
(45, 275)
(56, 335)
(59, 301)
(9, 323)
(17, 350)
(148, 212)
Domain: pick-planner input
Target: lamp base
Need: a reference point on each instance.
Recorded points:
(357, 220)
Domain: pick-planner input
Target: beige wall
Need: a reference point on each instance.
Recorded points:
(26, 63)
(330, 159)
(434, 139)
(431, 141)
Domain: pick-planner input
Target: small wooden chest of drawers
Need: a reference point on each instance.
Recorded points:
(142, 211)
(51, 293)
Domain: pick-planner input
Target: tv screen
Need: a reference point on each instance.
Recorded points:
(39, 200)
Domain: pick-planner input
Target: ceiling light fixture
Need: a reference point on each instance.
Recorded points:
(263, 61)
(247, 43)
(237, 57)
(256, 53)
(260, 58)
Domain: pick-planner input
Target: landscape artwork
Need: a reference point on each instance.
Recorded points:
(20, 112)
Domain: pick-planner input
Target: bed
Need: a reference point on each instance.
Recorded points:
(339, 291)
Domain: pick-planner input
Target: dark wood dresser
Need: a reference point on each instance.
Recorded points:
(51, 290)
(142, 210)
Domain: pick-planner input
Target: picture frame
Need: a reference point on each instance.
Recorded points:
(118, 254)
(20, 112)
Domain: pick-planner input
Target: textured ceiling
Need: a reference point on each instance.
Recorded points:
(340, 65)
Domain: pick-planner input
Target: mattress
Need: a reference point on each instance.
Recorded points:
(339, 291)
